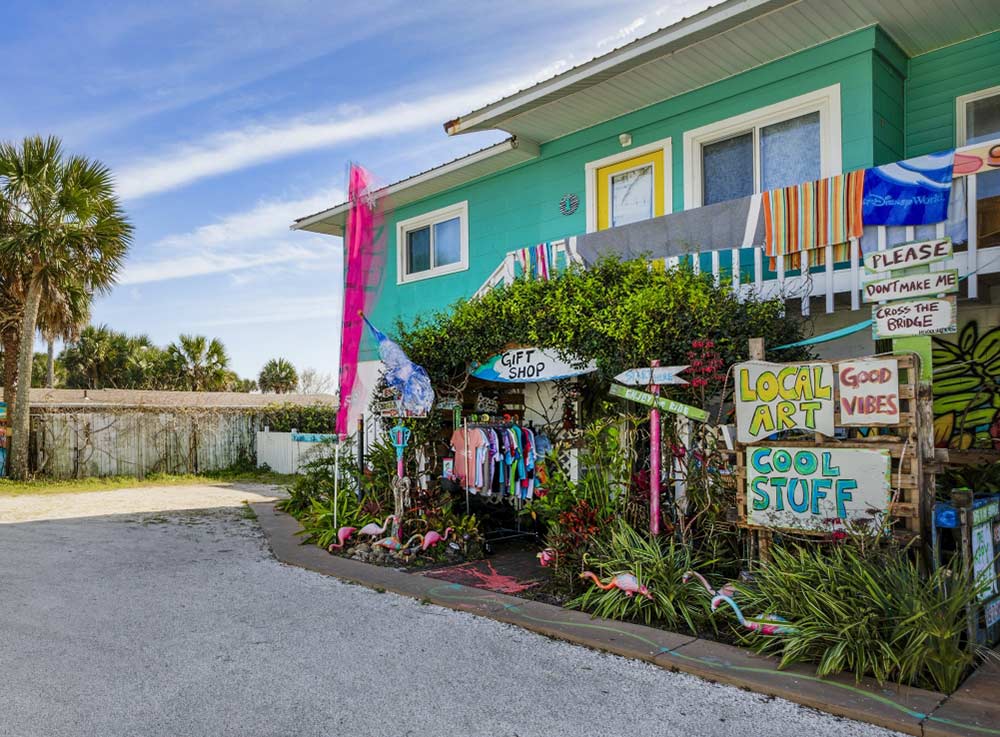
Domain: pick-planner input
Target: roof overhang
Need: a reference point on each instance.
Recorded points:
(720, 42)
(460, 171)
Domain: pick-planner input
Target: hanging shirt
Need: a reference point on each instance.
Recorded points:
(466, 454)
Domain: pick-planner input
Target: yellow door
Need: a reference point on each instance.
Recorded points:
(630, 190)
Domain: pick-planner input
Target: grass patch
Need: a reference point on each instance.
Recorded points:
(41, 486)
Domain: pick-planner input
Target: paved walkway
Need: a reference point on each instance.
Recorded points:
(181, 623)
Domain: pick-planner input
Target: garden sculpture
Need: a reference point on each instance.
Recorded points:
(372, 529)
(343, 534)
(623, 581)
(433, 538)
(727, 590)
(770, 624)
(547, 557)
(393, 543)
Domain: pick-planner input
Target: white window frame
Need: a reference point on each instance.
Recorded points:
(429, 219)
(961, 103)
(630, 153)
(825, 101)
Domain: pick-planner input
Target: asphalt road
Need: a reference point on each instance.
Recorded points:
(182, 623)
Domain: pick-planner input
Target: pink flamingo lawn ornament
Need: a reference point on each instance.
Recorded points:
(372, 529)
(727, 590)
(343, 535)
(623, 581)
(433, 538)
(770, 624)
(547, 557)
(393, 543)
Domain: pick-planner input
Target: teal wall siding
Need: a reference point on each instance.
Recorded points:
(936, 79)
(519, 206)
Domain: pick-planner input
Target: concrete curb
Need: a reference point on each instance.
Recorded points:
(972, 710)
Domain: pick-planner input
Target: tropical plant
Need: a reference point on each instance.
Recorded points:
(660, 565)
(967, 389)
(313, 418)
(982, 479)
(63, 226)
(244, 386)
(278, 376)
(200, 363)
(870, 613)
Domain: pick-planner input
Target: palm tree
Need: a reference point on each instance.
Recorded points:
(201, 364)
(61, 316)
(278, 376)
(64, 226)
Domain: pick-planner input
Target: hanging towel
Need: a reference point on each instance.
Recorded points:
(811, 216)
(911, 192)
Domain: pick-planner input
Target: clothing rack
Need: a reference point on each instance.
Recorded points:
(497, 534)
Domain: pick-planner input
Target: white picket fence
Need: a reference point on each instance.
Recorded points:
(286, 452)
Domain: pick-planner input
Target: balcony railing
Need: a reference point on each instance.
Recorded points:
(752, 276)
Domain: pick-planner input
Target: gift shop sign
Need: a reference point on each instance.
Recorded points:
(520, 365)
(773, 397)
(914, 285)
(930, 316)
(869, 392)
(813, 488)
(908, 255)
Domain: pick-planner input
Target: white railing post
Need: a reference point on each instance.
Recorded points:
(971, 259)
(829, 279)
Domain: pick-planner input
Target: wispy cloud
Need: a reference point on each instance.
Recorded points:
(622, 33)
(254, 238)
(293, 309)
(234, 150)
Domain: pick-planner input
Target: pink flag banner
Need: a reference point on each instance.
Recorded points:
(363, 266)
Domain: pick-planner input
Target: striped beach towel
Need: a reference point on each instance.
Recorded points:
(811, 216)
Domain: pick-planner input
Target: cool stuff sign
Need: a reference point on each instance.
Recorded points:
(772, 397)
(869, 392)
(811, 488)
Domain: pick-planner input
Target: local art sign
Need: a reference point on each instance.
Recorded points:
(521, 365)
(914, 285)
(869, 392)
(814, 489)
(667, 405)
(927, 316)
(774, 397)
(908, 255)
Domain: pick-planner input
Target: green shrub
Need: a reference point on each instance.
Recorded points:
(866, 613)
(315, 418)
(658, 564)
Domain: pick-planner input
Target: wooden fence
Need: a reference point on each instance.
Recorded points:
(137, 442)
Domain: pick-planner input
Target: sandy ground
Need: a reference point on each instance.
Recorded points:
(128, 620)
(131, 501)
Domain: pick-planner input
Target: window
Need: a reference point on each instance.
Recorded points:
(978, 121)
(433, 244)
(784, 144)
(629, 186)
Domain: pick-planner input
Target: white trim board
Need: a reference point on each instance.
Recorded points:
(825, 101)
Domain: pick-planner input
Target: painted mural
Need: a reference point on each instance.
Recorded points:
(966, 391)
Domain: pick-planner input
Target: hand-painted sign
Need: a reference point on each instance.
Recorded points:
(392, 408)
(653, 375)
(927, 316)
(772, 397)
(982, 558)
(815, 488)
(908, 255)
(992, 611)
(522, 365)
(667, 405)
(914, 285)
(985, 513)
(869, 392)
(312, 437)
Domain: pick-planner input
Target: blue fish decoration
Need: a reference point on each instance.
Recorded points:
(410, 381)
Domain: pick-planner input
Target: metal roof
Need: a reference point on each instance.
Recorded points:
(458, 171)
(720, 42)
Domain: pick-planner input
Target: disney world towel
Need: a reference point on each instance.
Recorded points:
(911, 192)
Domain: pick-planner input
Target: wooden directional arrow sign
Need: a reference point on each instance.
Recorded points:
(667, 405)
(647, 376)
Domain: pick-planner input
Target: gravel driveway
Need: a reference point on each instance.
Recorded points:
(171, 623)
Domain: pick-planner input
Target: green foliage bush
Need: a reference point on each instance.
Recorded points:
(315, 418)
(658, 564)
(867, 613)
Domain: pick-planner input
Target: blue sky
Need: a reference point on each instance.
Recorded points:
(224, 121)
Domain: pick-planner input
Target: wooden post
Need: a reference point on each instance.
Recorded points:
(654, 460)
(763, 536)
